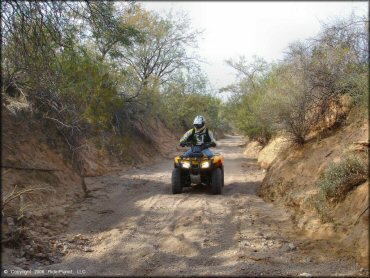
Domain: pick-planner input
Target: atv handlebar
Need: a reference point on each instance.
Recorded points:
(204, 145)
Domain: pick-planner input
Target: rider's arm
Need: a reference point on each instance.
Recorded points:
(213, 140)
(186, 136)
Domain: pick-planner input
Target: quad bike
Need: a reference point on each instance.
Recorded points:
(197, 168)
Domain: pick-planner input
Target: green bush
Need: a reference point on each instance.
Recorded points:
(179, 109)
(342, 177)
(253, 117)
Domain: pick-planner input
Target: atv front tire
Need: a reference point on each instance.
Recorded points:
(216, 183)
(223, 176)
(176, 181)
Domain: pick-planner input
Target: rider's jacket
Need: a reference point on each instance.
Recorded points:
(198, 137)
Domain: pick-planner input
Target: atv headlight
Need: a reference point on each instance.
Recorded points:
(185, 164)
(205, 164)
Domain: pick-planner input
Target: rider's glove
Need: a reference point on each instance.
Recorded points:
(205, 146)
(208, 145)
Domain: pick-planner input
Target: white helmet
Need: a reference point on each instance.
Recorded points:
(199, 122)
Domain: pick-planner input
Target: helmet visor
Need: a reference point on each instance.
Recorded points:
(198, 126)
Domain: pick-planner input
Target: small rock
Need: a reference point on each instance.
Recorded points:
(78, 236)
(65, 247)
(291, 246)
(27, 247)
(40, 255)
(305, 274)
(362, 269)
(242, 268)
(10, 221)
(308, 260)
(88, 249)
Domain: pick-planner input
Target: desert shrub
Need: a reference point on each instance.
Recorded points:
(250, 106)
(80, 67)
(253, 118)
(301, 92)
(320, 204)
(179, 110)
(336, 182)
(342, 177)
(293, 104)
(188, 95)
(359, 89)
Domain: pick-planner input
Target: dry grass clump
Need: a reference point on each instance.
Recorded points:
(342, 177)
(339, 179)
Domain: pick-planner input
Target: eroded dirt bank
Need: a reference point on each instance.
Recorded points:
(132, 225)
(293, 180)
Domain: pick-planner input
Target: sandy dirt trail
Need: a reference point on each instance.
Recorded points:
(132, 225)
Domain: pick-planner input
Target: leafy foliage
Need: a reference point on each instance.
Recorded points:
(103, 69)
(186, 97)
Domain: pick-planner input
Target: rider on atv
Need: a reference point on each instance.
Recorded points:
(200, 137)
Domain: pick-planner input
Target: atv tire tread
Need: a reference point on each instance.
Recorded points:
(177, 181)
(223, 176)
(216, 184)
